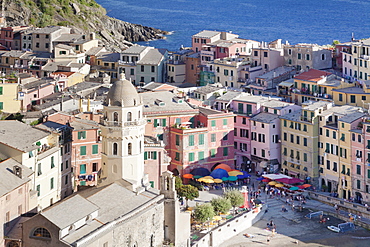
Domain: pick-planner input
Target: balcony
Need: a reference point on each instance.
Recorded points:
(315, 94)
(132, 63)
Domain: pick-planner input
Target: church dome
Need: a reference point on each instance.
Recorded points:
(123, 93)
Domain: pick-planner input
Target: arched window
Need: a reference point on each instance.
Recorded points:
(115, 148)
(129, 149)
(115, 118)
(129, 116)
(41, 233)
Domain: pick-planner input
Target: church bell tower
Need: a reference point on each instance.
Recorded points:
(122, 130)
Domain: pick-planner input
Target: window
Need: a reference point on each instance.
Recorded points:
(353, 98)
(83, 169)
(358, 169)
(334, 135)
(153, 69)
(95, 149)
(328, 164)
(305, 157)
(335, 166)
(201, 155)
(41, 233)
(291, 138)
(284, 122)
(132, 72)
(177, 156)
(66, 179)
(1, 90)
(39, 172)
(213, 137)
(263, 153)
(142, 68)
(213, 153)
(150, 155)
(265, 54)
(299, 56)
(322, 56)
(81, 135)
(226, 151)
(343, 138)
(225, 137)
(177, 140)
(38, 189)
(94, 167)
(298, 140)
(66, 164)
(305, 141)
(129, 148)
(307, 56)
(224, 122)
(191, 157)
(51, 183)
(201, 139)
(191, 140)
(213, 123)
(52, 165)
(115, 148)
(83, 150)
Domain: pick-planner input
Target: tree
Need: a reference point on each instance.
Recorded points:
(189, 192)
(221, 205)
(335, 42)
(204, 212)
(178, 183)
(236, 198)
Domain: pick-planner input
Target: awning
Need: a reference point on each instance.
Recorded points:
(293, 173)
(275, 176)
(286, 84)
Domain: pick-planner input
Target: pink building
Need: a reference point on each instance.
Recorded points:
(205, 143)
(257, 130)
(33, 91)
(156, 160)
(10, 37)
(86, 148)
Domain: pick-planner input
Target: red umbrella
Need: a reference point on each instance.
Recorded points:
(306, 185)
(187, 175)
(300, 186)
(266, 180)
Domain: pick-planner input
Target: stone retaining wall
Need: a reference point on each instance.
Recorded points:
(230, 228)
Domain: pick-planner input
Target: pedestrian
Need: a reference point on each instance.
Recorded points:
(336, 208)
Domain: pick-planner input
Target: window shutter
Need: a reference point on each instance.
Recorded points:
(145, 155)
(154, 155)
(155, 122)
(164, 122)
(79, 135)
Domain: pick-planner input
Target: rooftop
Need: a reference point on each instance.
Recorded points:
(109, 57)
(314, 105)
(352, 117)
(206, 34)
(312, 75)
(46, 30)
(153, 57)
(20, 136)
(229, 95)
(208, 89)
(265, 117)
(135, 49)
(8, 180)
(62, 46)
(351, 90)
(276, 72)
(208, 111)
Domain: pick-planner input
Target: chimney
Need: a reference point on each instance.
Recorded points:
(17, 170)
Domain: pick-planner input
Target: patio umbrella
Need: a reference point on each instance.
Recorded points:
(257, 201)
(217, 217)
(210, 177)
(266, 180)
(208, 181)
(306, 185)
(260, 178)
(217, 180)
(187, 175)
(234, 170)
(245, 175)
(200, 171)
(279, 185)
(197, 176)
(225, 179)
(300, 186)
(294, 188)
(235, 173)
(272, 183)
(233, 178)
(219, 173)
(223, 166)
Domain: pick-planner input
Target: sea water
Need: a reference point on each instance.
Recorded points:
(295, 21)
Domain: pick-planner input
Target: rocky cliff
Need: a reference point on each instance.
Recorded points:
(83, 16)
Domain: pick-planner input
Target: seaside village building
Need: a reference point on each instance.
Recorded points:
(123, 210)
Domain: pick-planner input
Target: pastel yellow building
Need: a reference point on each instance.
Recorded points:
(354, 95)
(9, 98)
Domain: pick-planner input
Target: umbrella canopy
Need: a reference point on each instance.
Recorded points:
(206, 180)
(217, 217)
(306, 185)
(223, 166)
(245, 175)
(300, 186)
(197, 176)
(225, 179)
(272, 183)
(279, 185)
(290, 180)
(187, 175)
(219, 173)
(294, 188)
(210, 177)
(217, 180)
(200, 172)
(260, 178)
(235, 173)
(257, 201)
(265, 180)
(233, 178)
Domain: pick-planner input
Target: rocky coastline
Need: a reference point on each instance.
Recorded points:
(83, 16)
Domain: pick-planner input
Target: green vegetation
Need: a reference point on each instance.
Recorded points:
(236, 198)
(61, 12)
(204, 212)
(221, 205)
(189, 192)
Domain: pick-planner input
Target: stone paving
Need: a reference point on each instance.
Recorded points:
(293, 229)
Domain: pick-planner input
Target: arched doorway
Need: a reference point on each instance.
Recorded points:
(358, 197)
(214, 166)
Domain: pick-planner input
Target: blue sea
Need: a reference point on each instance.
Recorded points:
(295, 21)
